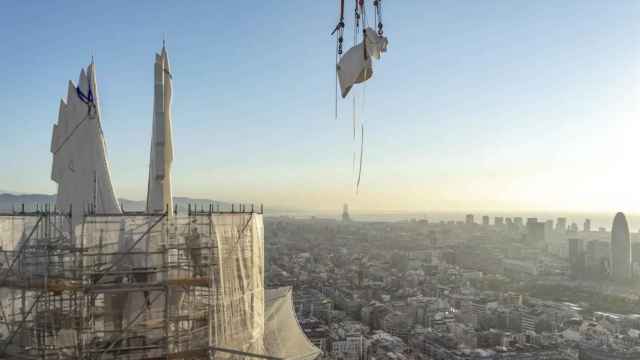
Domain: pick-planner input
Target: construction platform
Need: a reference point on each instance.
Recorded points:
(132, 285)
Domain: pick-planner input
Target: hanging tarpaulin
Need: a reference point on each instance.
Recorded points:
(355, 66)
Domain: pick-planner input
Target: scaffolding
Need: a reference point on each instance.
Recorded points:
(132, 285)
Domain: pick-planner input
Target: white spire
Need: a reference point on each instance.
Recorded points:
(159, 194)
(80, 165)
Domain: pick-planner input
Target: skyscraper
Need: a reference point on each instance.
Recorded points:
(345, 213)
(587, 225)
(598, 258)
(561, 224)
(498, 221)
(576, 257)
(548, 230)
(620, 248)
(517, 221)
(535, 231)
(635, 253)
(485, 220)
(469, 219)
(573, 228)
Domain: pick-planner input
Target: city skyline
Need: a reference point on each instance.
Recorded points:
(511, 107)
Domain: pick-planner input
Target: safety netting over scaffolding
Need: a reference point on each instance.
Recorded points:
(142, 286)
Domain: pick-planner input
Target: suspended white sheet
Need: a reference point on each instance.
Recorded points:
(355, 66)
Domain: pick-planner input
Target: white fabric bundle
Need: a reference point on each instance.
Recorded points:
(355, 66)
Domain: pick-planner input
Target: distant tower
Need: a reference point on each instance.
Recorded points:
(573, 228)
(469, 219)
(535, 231)
(620, 248)
(485, 220)
(576, 257)
(561, 225)
(518, 222)
(159, 194)
(345, 213)
(548, 230)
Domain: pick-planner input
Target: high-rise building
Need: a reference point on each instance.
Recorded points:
(535, 231)
(469, 219)
(345, 213)
(498, 221)
(561, 224)
(635, 253)
(576, 257)
(485, 220)
(597, 257)
(587, 225)
(517, 221)
(573, 228)
(548, 230)
(620, 248)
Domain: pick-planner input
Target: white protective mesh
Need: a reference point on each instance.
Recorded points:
(239, 311)
(283, 336)
(13, 229)
(141, 286)
(222, 252)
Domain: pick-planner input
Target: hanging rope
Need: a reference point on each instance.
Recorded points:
(377, 4)
(354, 114)
(339, 29)
(360, 26)
(335, 90)
(361, 157)
(364, 27)
(66, 139)
(361, 22)
(87, 99)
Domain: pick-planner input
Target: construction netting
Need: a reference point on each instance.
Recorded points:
(283, 336)
(34, 251)
(143, 286)
(195, 281)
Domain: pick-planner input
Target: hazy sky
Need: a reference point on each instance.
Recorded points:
(491, 105)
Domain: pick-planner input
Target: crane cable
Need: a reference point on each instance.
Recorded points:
(359, 16)
(339, 29)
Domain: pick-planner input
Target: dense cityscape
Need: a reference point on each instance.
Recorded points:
(368, 180)
(501, 288)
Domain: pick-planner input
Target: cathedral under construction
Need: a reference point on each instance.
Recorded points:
(84, 279)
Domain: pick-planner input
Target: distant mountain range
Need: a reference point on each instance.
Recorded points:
(11, 200)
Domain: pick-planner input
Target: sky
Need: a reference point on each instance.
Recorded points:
(493, 105)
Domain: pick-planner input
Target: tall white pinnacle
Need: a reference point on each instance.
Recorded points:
(80, 165)
(159, 194)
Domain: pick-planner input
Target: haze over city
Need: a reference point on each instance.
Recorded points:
(497, 106)
(343, 180)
